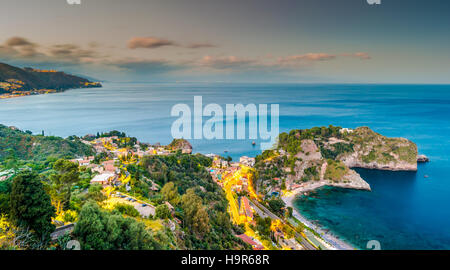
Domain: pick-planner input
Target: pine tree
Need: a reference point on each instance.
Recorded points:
(31, 207)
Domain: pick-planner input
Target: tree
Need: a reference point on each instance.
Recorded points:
(127, 209)
(277, 206)
(196, 216)
(100, 230)
(162, 211)
(31, 206)
(61, 183)
(200, 221)
(95, 193)
(170, 193)
(290, 211)
(263, 225)
(89, 229)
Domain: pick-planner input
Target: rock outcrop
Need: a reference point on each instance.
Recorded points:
(324, 156)
(422, 159)
(181, 144)
(371, 150)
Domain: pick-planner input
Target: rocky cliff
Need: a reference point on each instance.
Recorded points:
(375, 151)
(325, 155)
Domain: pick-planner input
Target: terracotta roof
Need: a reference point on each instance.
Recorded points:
(247, 239)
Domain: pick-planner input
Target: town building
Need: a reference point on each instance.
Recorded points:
(103, 179)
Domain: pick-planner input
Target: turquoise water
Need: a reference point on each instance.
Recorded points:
(404, 210)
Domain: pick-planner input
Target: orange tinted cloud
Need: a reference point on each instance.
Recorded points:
(149, 42)
(20, 46)
(225, 62)
(200, 45)
(360, 55)
(301, 58)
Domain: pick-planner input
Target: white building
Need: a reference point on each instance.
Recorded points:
(247, 161)
(103, 179)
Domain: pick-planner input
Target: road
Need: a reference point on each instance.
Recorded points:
(264, 212)
(145, 211)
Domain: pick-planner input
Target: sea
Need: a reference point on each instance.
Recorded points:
(404, 210)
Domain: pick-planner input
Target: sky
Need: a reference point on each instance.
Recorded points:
(306, 41)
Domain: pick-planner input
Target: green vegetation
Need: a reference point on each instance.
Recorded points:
(52, 187)
(336, 170)
(31, 207)
(406, 153)
(127, 209)
(382, 149)
(336, 149)
(97, 229)
(198, 201)
(60, 184)
(162, 211)
(277, 206)
(18, 147)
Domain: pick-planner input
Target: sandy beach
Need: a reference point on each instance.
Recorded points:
(331, 241)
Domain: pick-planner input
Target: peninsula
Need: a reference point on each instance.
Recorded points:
(17, 82)
(323, 156)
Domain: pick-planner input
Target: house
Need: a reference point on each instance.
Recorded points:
(81, 162)
(224, 163)
(248, 161)
(245, 211)
(103, 179)
(84, 162)
(109, 166)
(96, 168)
(343, 130)
(247, 239)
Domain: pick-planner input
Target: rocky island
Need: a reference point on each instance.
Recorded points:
(16, 82)
(304, 160)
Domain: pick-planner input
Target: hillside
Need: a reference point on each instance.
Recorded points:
(14, 79)
(25, 146)
(325, 156)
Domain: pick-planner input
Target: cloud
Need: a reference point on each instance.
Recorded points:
(304, 58)
(19, 46)
(72, 57)
(155, 42)
(309, 58)
(227, 62)
(201, 45)
(360, 55)
(149, 42)
(18, 41)
(71, 52)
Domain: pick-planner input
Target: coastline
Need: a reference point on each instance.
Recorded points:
(39, 92)
(328, 238)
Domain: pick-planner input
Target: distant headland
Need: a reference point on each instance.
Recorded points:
(17, 82)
